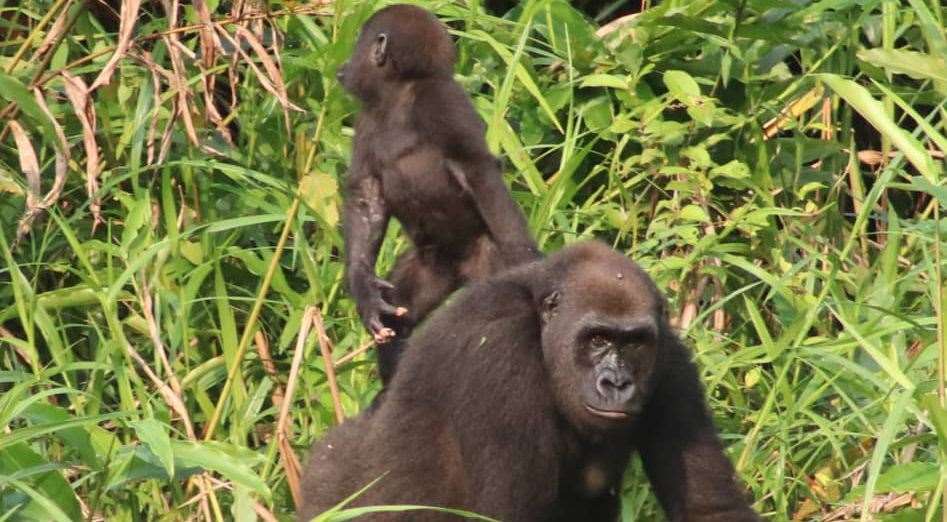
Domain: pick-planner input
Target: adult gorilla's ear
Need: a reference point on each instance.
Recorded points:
(380, 49)
(549, 306)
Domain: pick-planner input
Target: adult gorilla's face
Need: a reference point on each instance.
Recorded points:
(600, 332)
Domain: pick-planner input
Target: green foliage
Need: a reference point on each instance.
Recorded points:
(777, 167)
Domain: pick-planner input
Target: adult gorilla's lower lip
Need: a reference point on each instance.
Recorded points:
(608, 414)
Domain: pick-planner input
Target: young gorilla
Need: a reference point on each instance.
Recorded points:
(523, 400)
(419, 155)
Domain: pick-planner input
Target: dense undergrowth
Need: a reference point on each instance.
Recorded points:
(777, 167)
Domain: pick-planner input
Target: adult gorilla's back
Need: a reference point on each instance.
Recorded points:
(523, 398)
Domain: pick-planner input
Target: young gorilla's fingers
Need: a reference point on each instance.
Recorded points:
(382, 334)
(383, 284)
(386, 308)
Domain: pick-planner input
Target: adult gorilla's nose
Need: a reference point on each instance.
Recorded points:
(614, 385)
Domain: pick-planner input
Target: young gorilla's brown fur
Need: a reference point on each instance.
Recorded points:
(419, 155)
(523, 399)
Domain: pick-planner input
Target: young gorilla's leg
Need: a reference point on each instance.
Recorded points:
(420, 286)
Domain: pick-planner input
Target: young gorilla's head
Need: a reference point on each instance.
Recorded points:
(601, 325)
(398, 43)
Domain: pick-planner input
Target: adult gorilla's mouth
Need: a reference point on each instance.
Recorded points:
(608, 414)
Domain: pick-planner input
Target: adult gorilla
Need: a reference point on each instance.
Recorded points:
(524, 398)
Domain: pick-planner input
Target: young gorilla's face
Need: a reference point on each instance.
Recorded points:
(600, 335)
(365, 70)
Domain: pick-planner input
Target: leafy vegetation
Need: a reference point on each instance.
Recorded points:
(169, 208)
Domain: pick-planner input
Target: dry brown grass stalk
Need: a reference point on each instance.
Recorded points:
(615, 24)
(354, 353)
(27, 156)
(125, 29)
(147, 309)
(78, 94)
(36, 205)
(325, 346)
(287, 456)
(290, 463)
(272, 79)
(55, 33)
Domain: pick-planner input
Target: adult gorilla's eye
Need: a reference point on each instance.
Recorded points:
(599, 341)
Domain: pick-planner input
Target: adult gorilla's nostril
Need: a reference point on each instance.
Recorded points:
(610, 383)
(602, 385)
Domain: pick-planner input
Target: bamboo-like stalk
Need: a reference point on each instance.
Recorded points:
(941, 341)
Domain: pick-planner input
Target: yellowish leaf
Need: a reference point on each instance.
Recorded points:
(319, 191)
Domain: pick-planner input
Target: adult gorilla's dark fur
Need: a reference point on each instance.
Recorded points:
(523, 400)
(419, 155)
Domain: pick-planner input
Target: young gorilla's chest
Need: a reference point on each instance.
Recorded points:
(421, 191)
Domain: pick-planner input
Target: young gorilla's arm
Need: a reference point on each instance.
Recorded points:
(690, 474)
(480, 175)
(365, 219)
(448, 114)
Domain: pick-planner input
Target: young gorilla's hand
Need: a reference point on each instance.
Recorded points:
(372, 306)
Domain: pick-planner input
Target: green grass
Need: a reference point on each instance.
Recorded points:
(776, 167)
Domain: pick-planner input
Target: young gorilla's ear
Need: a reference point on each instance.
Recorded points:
(549, 306)
(380, 49)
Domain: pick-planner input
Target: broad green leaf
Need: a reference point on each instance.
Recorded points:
(192, 251)
(916, 65)
(22, 463)
(32, 432)
(77, 438)
(154, 434)
(912, 476)
(232, 462)
(51, 510)
(735, 169)
(14, 91)
(319, 191)
(681, 86)
(694, 213)
(873, 111)
(604, 80)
